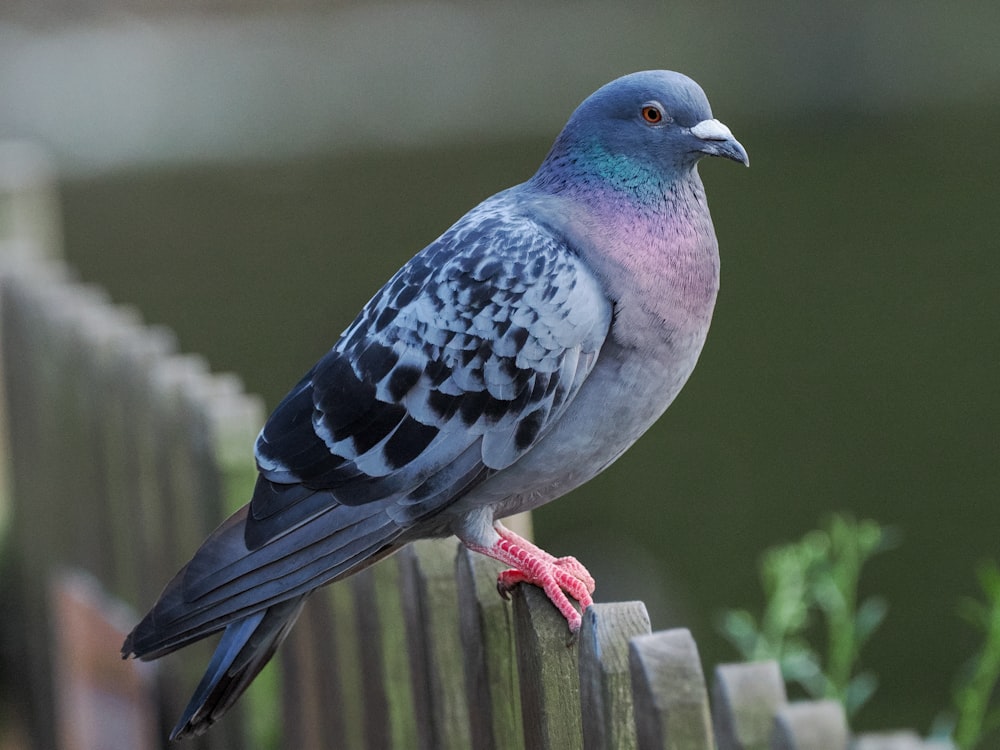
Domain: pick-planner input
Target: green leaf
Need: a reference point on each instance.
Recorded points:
(871, 613)
(740, 629)
(859, 691)
(974, 612)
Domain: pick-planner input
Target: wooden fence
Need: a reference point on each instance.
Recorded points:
(123, 454)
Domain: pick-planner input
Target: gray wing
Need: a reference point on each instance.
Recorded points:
(455, 369)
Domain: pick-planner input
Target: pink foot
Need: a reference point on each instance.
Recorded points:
(508, 579)
(557, 577)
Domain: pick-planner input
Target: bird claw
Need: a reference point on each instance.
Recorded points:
(504, 588)
(508, 579)
(575, 568)
(564, 580)
(556, 581)
(573, 637)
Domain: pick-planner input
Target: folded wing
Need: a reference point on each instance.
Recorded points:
(454, 370)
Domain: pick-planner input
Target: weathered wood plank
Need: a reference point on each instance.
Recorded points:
(30, 237)
(147, 504)
(234, 420)
(899, 740)
(486, 626)
(345, 669)
(398, 680)
(102, 702)
(671, 703)
(375, 699)
(190, 478)
(312, 715)
(390, 720)
(24, 345)
(185, 445)
(548, 666)
(745, 700)
(105, 369)
(31, 224)
(431, 606)
(605, 682)
(810, 725)
(417, 647)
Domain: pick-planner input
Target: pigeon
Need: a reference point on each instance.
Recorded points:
(508, 362)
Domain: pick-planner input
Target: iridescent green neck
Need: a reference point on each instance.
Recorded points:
(589, 169)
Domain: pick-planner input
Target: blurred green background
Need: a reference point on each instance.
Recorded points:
(249, 175)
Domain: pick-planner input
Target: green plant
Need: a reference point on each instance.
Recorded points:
(817, 576)
(975, 720)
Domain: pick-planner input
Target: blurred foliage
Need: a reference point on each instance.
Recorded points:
(973, 724)
(816, 579)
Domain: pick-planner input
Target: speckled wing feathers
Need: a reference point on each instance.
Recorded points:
(468, 354)
(457, 367)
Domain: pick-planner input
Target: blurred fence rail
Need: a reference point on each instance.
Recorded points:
(123, 454)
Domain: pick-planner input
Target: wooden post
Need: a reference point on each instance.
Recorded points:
(313, 715)
(150, 503)
(30, 219)
(390, 720)
(810, 725)
(23, 358)
(431, 608)
(745, 699)
(547, 664)
(605, 684)
(108, 333)
(486, 626)
(235, 417)
(671, 704)
(902, 740)
(102, 701)
(345, 707)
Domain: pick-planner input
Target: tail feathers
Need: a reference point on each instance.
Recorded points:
(226, 582)
(246, 646)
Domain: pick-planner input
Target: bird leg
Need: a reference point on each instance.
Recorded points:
(557, 576)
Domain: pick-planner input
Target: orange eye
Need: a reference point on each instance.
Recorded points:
(652, 114)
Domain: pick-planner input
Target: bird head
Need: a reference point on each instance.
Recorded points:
(642, 129)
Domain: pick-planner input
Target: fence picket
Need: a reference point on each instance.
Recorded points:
(25, 339)
(431, 608)
(671, 704)
(547, 665)
(346, 669)
(487, 632)
(386, 679)
(314, 716)
(902, 740)
(148, 505)
(745, 699)
(810, 725)
(108, 333)
(605, 682)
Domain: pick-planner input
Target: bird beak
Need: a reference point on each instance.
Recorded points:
(715, 139)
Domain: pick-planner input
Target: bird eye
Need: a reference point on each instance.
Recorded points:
(651, 114)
